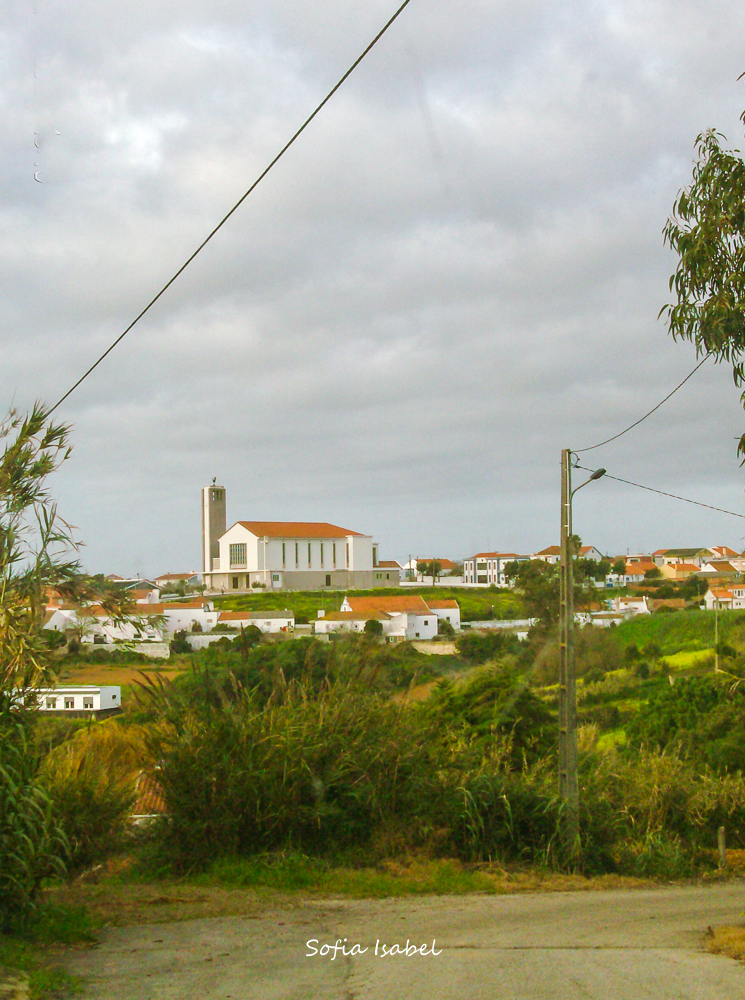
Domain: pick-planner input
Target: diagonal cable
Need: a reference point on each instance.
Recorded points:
(240, 201)
(600, 444)
(674, 496)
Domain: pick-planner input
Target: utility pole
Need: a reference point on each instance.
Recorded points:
(568, 784)
(716, 636)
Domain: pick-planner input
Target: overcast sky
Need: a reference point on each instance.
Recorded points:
(454, 273)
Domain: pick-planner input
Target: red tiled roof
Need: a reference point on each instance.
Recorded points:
(296, 529)
(388, 564)
(442, 604)
(354, 616)
(150, 799)
(552, 550)
(244, 616)
(497, 555)
(410, 604)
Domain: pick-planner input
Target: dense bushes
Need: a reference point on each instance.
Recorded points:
(328, 772)
(478, 647)
(494, 700)
(704, 715)
(469, 773)
(91, 780)
(268, 670)
(32, 845)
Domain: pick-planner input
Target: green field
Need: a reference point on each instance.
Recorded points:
(475, 605)
(683, 631)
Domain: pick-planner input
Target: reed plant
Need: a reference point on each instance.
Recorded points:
(91, 781)
(32, 843)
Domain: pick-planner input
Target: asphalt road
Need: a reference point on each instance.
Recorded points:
(621, 945)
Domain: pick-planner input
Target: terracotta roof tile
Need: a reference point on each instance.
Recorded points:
(296, 529)
(410, 604)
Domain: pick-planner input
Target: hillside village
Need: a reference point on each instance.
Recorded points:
(181, 602)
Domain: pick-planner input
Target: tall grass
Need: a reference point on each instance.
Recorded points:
(346, 771)
(32, 844)
(91, 781)
(319, 773)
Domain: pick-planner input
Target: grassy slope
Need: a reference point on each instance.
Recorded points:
(474, 604)
(683, 631)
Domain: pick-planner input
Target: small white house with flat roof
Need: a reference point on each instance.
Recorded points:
(77, 698)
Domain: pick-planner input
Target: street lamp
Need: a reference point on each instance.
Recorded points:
(568, 783)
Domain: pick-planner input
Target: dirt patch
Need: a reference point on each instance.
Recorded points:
(435, 648)
(115, 673)
(121, 905)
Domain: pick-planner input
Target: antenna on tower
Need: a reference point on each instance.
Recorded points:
(214, 480)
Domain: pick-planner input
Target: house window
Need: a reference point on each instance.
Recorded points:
(481, 566)
(87, 703)
(321, 555)
(51, 702)
(328, 579)
(333, 553)
(113, 697)
(275, 577)
(482, 579)
(237, 555)
(297, 557)
(426, 623)
(347, 555)
(308, 555)
(284, 556)
(69, 703)
(235, 583)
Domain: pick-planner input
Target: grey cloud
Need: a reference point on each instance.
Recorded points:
(454, 273)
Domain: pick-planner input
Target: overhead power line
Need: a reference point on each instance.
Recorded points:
(240, 201)
(674, 496)
(600, 444)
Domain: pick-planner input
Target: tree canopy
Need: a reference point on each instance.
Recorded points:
(707, 231)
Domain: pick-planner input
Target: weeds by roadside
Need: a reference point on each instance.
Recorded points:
(34, 953)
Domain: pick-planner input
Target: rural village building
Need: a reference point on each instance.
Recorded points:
(488, 567)
(285, 555)
(78, 699)
(725, 598)
(405, 617)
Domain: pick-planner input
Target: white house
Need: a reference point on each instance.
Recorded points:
(267, 621)
(488, 567)
(405, 617)
(153, 622)
(447, 610)
(731, 598)
(285, 555)
(77, 698)
(637, 605)
(551, 555)
(97, 626)
(590, 552)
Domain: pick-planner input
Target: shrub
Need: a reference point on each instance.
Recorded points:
(316, 774)
(445, 628)
(32, 845)
(478, 647)
(179, 643)
(90, 780)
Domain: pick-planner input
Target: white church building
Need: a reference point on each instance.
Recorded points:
(285, 555)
